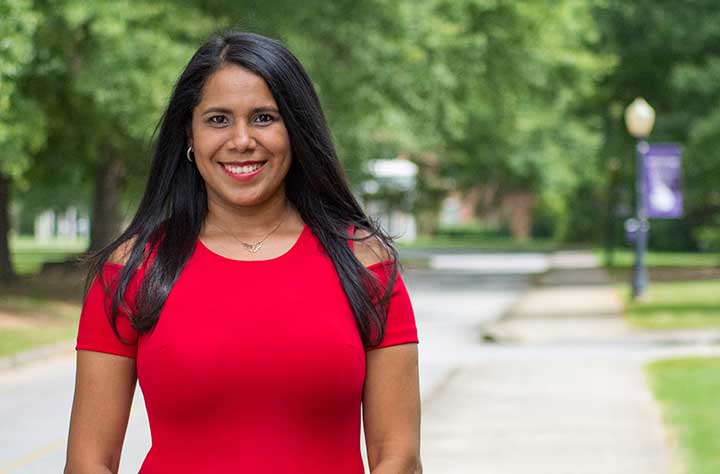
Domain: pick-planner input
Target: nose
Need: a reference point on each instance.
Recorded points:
(242, 138)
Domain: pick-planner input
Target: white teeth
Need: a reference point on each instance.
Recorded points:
(242, 169)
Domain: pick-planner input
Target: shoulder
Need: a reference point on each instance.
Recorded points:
(121, 254)
(370, 250)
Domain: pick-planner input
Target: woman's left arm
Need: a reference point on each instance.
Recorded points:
(391, 410)
(391, 397)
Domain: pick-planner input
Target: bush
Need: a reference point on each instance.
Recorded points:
(671, 235)
(708, 238)
(473, 231)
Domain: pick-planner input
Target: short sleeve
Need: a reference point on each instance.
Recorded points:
(95, 332)
(400, 327)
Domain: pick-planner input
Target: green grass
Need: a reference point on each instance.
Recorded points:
(675, 305)
(625, 258)
(27, 322)
(14, 340)
(479, 242)
(43, 309)
(29, 255)
(688, 391)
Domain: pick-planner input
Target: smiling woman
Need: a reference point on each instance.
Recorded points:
(255, 317)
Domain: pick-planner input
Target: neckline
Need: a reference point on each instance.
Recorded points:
(293, 248)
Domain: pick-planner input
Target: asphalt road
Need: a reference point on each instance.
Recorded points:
(452, 300)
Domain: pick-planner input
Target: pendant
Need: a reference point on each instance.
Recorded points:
(252, 247)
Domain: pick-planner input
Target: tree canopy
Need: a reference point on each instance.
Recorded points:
(502, 96)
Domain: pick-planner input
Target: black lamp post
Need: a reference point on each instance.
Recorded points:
(639, 119)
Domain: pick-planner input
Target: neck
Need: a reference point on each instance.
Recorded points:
(249, 222)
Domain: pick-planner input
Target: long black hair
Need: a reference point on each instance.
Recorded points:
(174, 205)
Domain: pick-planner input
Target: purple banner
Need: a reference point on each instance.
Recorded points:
(661, 181)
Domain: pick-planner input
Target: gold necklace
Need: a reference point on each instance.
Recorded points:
(256, 246)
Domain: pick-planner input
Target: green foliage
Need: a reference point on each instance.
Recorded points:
(472, 231)
(509, 95)
(21, 121)
(131, 55)
(103, 73)
(667, 52)
(709, 236)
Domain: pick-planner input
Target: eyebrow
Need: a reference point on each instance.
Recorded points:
(224, 110)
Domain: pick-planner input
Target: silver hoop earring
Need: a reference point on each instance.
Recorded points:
(188, 154)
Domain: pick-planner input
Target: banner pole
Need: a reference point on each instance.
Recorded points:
(640, 277)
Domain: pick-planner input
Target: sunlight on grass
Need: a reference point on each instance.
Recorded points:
(480, 243)
(27, 322)
(29, 254)
(681, 304)
(625, 258)
(13, 340)
(687, 390)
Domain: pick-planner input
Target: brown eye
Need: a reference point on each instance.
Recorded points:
(213, 120)
(264, 118)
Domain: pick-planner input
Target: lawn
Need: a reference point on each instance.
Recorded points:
(479, 243)
(687, 390)
(29, 255)
(625, 258)
(41, 308)
(683, 291)
(27, 322)
(675, 305)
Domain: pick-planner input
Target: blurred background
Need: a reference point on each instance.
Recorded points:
(489, 135)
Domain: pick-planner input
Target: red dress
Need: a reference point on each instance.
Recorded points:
(254, 366)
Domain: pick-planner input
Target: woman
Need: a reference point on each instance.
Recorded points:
(250, 296)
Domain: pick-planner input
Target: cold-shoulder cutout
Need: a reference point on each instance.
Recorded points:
(372, 251)
(121, 254)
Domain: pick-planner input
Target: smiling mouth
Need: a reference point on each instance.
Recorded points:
(243, 169)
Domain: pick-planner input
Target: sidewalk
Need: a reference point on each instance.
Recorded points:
(562, 392)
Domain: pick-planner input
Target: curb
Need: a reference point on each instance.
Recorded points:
(490, 333)
(493, 333)
(29, 356)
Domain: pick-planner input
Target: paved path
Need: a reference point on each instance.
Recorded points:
(562, 392)
(457, 296)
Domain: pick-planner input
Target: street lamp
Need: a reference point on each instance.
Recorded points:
(639, 119)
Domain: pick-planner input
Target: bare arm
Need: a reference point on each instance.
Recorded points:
(104, 389)
(391, 397)
(391, 410)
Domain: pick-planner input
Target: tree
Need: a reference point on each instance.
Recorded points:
(21, 122)
(103, 74)
(669, 53)
(504, 81)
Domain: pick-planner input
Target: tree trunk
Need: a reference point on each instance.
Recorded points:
(106, 220)
(431, 190)
(479, 204)
(519, 207)
(7, 272)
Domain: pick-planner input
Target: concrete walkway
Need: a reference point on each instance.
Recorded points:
(561, 391)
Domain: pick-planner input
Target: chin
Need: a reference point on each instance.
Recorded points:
(244, 201)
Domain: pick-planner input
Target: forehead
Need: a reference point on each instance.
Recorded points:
(234, 86)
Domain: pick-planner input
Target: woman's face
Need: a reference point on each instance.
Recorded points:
(241, 145)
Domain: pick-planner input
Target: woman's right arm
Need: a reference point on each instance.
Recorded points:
(104, 389)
